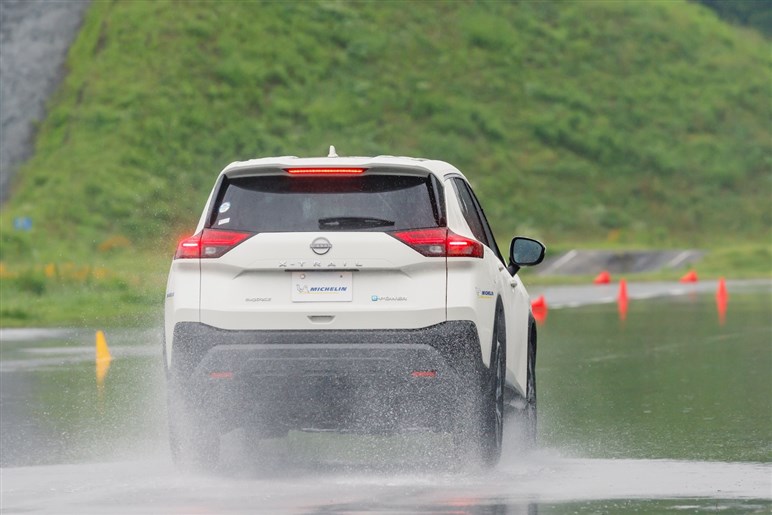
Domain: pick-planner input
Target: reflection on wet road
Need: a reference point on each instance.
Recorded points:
(666, 411)
(540, 484)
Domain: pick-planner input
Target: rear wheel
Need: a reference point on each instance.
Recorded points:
(479, 415)
(492, 420)
(529, 412)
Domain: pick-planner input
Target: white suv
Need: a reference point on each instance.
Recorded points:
(362, 294)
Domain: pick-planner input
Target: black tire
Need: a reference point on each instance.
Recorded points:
(530, 412)
(493, 398)
(479, 414)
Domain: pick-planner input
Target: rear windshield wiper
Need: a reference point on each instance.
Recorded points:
(353, 222)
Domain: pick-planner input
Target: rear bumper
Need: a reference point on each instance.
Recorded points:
(341, 380)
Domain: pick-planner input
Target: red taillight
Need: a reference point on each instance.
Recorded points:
(209, 243)
(458, 246)
(440, 242)
(325, 171)
(429, 242)
(189, 248)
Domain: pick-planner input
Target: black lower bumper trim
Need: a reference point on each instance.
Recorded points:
(326, 379)
(454, 345)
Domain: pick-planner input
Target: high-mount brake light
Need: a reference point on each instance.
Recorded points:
(325, 171)
(440, 242)
(209, 243)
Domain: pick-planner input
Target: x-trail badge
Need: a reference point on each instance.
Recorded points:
(321, 246)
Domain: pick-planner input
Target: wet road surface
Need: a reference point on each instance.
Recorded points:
(70, 445)
(155, 487)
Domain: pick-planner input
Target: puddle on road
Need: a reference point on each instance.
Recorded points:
(541, 483)
(668, 382)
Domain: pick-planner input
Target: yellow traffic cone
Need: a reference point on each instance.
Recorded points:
(103, 357)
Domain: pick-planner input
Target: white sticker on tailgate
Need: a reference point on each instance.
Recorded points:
(322, 287)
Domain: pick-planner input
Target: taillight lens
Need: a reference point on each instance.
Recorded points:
(458, 246)
(440, 242)
(429, 242)
(189, 248)
(209, 243)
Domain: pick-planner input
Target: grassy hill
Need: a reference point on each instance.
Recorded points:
(625, 123)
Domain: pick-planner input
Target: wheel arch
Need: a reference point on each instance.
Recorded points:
(498, 312)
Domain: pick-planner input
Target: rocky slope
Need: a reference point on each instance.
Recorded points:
(34, 38)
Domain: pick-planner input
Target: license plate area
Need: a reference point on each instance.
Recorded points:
(322, 287)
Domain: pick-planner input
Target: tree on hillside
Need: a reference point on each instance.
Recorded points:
(753, 13)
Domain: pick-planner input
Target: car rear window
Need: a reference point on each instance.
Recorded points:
(276, 203)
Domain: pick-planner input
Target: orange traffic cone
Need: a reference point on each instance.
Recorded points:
(622, 300)
(721, 292)
(690, 277)
(539, 309)
(622, 296)
(602, 278)
(722, 300)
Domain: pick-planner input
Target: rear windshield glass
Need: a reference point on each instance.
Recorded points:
(276, 203)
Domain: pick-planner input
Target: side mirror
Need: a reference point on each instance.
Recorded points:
(525, 252)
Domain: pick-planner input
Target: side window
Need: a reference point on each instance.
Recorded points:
(469, 210)
(475, 216)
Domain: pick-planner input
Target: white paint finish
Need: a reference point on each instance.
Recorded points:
(383, 267)
(182, 299)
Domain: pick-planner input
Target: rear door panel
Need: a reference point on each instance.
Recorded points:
(394, 286)
(491, 281)
(472, 283)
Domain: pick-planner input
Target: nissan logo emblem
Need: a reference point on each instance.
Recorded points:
(321, 246)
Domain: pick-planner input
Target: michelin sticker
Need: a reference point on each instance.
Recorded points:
(484, 294)
(322, 287)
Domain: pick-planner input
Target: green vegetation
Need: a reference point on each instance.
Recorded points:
(582, 123)
(117, 291)
(753, 13)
